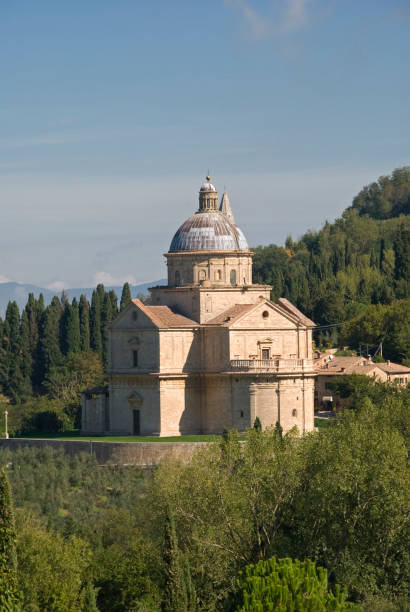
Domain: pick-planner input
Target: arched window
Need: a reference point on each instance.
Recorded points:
(177, 278)
(202, 274)
(218, 275)
(233, 277)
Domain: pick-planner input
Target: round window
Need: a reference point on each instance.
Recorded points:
(265, 314)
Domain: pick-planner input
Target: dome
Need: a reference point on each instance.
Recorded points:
(208, 231)
(207, 186)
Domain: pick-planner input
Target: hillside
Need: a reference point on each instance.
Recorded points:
(358, 260)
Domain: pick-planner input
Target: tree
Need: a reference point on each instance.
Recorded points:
(106, 318)
(288, 585)
(257, 424)
(84, 314)
(9, 597)
(125, 296)
(179, 596)
(52, 568)
(70, 328)
(50, 352)
(90, 602)
(95, 323)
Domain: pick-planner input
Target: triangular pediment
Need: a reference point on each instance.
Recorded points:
(134, 316)
(266, 315)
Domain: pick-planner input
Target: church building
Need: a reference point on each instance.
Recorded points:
(211, 351)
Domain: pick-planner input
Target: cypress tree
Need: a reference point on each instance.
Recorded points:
(84, 314)
(95, 324)
(90, 603)
(50, 352)
(106, 318)
(11, 345)
(25, 355)
(114, 303)
(257, 424)
(71, 328)
(9, 598)
(402, 253)
(125, 296)
(179, 592)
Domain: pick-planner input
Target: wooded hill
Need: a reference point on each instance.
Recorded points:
(362, 258)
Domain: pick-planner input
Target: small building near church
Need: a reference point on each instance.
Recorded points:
(330, 365)
(211, 350)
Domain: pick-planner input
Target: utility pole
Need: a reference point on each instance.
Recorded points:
(6, 433)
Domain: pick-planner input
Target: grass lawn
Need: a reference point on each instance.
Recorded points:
(75, 435)
(323, 424)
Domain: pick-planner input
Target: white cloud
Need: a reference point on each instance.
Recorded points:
(295, 13)
(57, 285)
(257, 26)
(106, 278)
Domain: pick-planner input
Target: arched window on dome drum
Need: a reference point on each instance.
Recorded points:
(218, 275)
(177, 277)
(202, 274)
(233, 277)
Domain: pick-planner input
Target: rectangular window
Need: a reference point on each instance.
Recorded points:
(265, 353)
(135, 359)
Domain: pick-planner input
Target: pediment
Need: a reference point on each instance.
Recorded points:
(266, 315)
(133, 317)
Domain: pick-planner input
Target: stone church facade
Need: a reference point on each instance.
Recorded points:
(211, 351)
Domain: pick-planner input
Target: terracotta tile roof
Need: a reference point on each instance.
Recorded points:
(356, 365)
(295, 312)
(227, 317)
(393, 368)
(164, 316)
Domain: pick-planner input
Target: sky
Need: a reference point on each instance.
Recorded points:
(112, 113)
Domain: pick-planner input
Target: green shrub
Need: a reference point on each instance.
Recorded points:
(286, 585)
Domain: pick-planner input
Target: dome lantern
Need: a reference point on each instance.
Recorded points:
(208, 197)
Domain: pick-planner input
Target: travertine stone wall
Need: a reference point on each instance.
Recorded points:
(180, 350)
(217, 413)
(204, 303)
(93, 416)
(193, 268)
(180, 406)
(144, 454)
(132, 392)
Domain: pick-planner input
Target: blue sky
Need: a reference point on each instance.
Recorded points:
(112, 112)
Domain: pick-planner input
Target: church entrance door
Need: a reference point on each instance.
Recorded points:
(136, 422)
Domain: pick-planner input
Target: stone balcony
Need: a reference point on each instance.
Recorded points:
(276, 366)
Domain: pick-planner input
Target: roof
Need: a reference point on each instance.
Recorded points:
(229, 316)
(296, 312)
(164, 316)
(345, 365)
(208, 231)
(393, 368)
(356, 365)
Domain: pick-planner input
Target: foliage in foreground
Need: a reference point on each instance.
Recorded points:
(184, 532)
(285, 586)
(9, 596)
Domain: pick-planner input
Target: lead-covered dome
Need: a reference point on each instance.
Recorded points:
(208, 231)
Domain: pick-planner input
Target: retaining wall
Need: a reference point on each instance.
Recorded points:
(136, 453)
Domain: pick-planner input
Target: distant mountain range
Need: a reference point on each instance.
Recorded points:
(19, 292)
